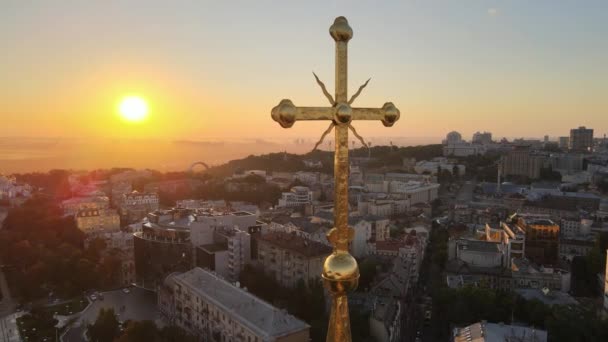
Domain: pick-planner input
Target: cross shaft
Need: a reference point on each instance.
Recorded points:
(340, 270)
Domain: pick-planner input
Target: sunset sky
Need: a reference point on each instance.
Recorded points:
(214, 69)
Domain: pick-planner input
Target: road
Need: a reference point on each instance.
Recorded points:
(8, 325)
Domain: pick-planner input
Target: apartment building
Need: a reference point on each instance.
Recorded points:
(73, 205)
(290, 258)
(215, 310)
(298, 196)
(96, 220)
(136, 205)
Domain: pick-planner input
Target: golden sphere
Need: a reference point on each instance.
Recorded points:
(344, 113)
(391, 114)
(284, 113)
(340, 31)
(340, 272)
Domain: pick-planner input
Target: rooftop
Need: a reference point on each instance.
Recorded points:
(214, 247)
(352, 220)
(498, 332)
(551, 298)
(306, 225)
(292, 242)
(479, 246)
(246, 308)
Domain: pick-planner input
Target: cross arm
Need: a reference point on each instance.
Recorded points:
(286, 113)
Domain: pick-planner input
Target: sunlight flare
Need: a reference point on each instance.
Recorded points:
(133, 109)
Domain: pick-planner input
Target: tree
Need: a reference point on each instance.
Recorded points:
(367, 270)
(173, 333)
(455, 171)
(105, 328)
(140, 331)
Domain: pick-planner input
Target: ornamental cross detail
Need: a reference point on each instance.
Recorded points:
(340, 271)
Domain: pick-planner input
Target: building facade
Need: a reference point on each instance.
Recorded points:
(290, 258)
(217, 311)
(160, 251)
(73, 205)
(542, 239)
(522, 162)
(135, 205)
(299, 196)
(581, 139)
(97, 220)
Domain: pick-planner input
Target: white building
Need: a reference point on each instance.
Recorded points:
(575, 227)
(484, 138)
(433, 166)
(297, 197)
(10, 188)
(406, 177)
(227, 255)
(73, 205)
(455, 146)
(216, 310)
(415, 192)
(308, 178)
(136, 198)
(92, 221)
(383, 207)
(371, 228)
(135, 205)
(220, 240)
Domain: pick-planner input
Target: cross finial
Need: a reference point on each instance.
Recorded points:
(340, 270)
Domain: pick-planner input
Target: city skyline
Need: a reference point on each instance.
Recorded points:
(464, 66)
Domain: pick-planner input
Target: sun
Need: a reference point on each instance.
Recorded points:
(133, 108)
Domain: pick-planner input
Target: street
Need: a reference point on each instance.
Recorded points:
(8, 325)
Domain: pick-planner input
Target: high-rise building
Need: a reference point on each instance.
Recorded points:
(564, 143)
(484, 138)
(453, 145)
(521, 161)
(581, 139)
(215, 310)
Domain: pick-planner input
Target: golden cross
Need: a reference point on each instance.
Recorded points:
(340, 270)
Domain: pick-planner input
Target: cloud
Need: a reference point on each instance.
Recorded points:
(493, 12)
